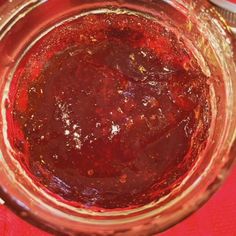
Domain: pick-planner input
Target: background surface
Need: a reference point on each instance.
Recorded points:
(216, 218)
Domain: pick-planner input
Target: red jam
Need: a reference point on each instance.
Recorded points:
(109, 111)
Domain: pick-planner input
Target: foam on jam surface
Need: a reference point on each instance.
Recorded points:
(108, 111)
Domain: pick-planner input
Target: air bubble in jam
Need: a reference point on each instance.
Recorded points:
(109, 111)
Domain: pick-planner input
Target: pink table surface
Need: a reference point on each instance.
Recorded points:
(216, 218)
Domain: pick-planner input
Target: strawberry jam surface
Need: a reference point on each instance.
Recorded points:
(108, 111)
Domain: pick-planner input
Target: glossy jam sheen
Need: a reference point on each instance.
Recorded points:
(108, 111)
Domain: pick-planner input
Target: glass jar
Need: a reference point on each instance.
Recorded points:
(22, 22)
(227, 9)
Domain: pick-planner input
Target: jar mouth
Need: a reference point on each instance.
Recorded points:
(202, 182)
